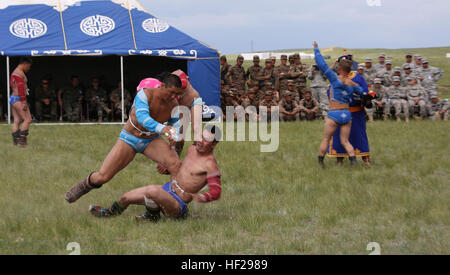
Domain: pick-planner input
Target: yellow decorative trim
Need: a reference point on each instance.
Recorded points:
(132, 26)
(62, 24)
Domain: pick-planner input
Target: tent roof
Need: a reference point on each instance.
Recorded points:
(70, 27)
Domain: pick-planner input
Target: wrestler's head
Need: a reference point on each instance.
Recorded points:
(171, 86)
(25, 63)
(210, 137)
(345, 67)
(183, 77)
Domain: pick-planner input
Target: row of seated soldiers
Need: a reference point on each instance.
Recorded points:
(76, 103)
(293, 105)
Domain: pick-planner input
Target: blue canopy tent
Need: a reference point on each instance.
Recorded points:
(97, 28)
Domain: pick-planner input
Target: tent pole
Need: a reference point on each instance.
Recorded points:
(122, 86)
(8, 89)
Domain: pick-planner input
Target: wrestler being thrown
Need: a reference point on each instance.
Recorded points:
(198, 169)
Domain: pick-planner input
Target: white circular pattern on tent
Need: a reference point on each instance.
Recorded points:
(97, 25)
(155, 25)
(28, 28)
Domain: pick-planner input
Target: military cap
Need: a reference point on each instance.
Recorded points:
(408, 54)
(290, 82)
(397, 69)
(361, 67)
(291, 57)
(268, 60)
(368, 60)
(240, 57)
(406, 67)
(256, 58)
(396, 79)
(223, 58)
(434, 96)
(284, 57)
(377, 80)
(289, 93)
(273, 57)
(417, 56)
(388, 62)
(410, 78)
(296, 55)
(251, 91)
(381, 55)
(424, 61)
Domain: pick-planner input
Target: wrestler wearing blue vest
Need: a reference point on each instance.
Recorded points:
(358, 135)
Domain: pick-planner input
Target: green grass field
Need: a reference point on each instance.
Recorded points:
(272, 203)
(436, 57)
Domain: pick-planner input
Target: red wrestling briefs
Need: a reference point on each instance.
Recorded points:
(215, 187)
(17, 81)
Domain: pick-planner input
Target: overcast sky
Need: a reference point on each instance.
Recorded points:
(231, 25)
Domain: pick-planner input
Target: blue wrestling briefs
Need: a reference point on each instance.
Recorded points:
(13, 99)
(183, 206)
(341, 117)
(138, 144)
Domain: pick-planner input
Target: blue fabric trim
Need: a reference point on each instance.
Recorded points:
(183, 206)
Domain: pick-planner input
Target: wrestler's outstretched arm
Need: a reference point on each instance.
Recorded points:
(322, 65)
(214, 184)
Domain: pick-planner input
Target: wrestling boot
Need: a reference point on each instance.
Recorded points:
(99, 212)
(152, 215)
(22, 138)
(80, 189)
(321, 163)
(353, 161)
(15, 136)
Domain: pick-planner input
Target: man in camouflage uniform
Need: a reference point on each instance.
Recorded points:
(229, 99)
(281, 74)
(268, 102)
(224, 68)
(116, 99)
(309, 107)
(380, 100)
(416, 97)
(253, 71)
(381, 63)
(430, 76)
(407, 73)
(409, 61)
(388, 73)
(299, 73)
(45, 101)
(266, 74)
(362, 73)
(289, 110)
(369, 70)
(236, 74)
(318, 87)
(397, 98)
(70, 99)
(250, 100)
(438, 109)
(96, 98)
(417, 62)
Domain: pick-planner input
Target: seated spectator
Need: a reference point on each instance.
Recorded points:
(45, 101)
(268, 103)
(289, 110)
(70, 99)
(116, 100)
(438, 109)
(309, 107)
(96, 99)
(229, 99)
(416, 97)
